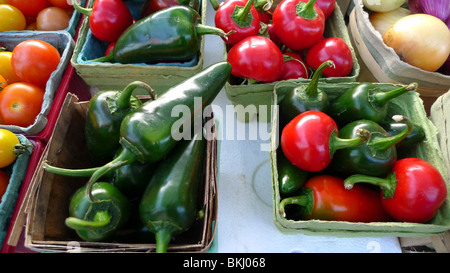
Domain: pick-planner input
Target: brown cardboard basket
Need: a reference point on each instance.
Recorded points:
(49, 196)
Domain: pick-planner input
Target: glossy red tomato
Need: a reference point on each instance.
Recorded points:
(334, 49)
(294, 67)
(256, 58)
(327, 199)
(64, 4)
(34, 61)
(20, 103)
(29, 7)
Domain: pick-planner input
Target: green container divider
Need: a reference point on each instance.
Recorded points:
(16, 171)
(114, 76)
(408, 104)
(260, 94)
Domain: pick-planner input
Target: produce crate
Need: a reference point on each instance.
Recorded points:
(385, 64)
(408, 104)
(64, 43)
(160, 76)
(49, 195)
(251, 97)
(16, 171)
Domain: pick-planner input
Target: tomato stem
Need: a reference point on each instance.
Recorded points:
(307, 10)
(387, 184)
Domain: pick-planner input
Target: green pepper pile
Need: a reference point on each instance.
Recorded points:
(146, 162)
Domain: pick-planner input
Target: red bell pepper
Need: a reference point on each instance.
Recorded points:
(325, 198)
(413, 191)
(298, 23)
(310, 140)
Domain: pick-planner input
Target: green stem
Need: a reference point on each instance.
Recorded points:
(101, 220)
(307, 10)
(125, 157)
(305, 200)
(377, 143)
(381, 98)
(205, 29)
(242, 15)
(108, 58)
(214, 4)
(337, 143)
(311, 89)
(84, 11)
(123, 101)
(69, 172)
(387, 184)
(163, 238)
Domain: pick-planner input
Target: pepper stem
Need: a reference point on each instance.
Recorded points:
(101, 220)
(337, 143)
(69, 172)
(382, 143)
(387, 184)
(124, 158)
(242, 15)
(80, 9)
(124, 102)
(205, 29)
(307, 10)
(214, 4)
(311, 89)
(381, 98)
(163, 238)
(107, 58)
(305, 200)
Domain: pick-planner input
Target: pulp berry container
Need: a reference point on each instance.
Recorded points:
(16, 171)
(49, 195)
(160, 76)
(64, 44)
(252, 96)
(384, 63)
(409, 105)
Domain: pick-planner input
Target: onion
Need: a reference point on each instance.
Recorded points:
(383, 5)
(437, 8)
(381, 21)
(421, 40)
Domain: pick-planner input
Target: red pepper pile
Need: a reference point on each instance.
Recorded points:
(267, 46)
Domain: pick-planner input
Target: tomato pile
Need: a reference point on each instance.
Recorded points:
(42, 15)
(342, 163)
(23, 76)
(290, 38)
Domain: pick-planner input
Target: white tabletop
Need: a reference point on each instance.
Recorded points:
(245, 219)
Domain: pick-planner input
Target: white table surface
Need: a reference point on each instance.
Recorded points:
(245, 219)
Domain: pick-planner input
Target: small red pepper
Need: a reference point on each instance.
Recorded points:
(294, 67)
(325, 198)
(107, 18)
(413, 191)
(327, 6)
(310, 140)
(298, 23)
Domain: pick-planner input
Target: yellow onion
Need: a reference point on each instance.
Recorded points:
(421, 40)
(382, 5)
(381, 21)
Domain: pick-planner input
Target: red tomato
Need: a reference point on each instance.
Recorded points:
(64, 4)
(29, 7)
(52, 18)
(256, 58)
(327, 199)
(294, 68)
(20, 103)
(4, 182)
(34, 61)
(334, 49)
(244, 23)
(298, 23)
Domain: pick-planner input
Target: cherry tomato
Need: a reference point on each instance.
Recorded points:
(30, 8)
(64, 4)
(325, 198)
(298, 23)
(4, 182)
(293, 67)
(11, 18)
(256, 58)
(34, 61)
(6, 69)
(3, 82)
(20, 103)
(52, 18)
(239, 16)
(8, 142)
(334, 49)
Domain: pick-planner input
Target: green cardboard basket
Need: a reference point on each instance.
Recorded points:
(410, 105)
(116, 76)
(252, 96)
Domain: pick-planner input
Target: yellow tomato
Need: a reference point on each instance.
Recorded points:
(4, 2)
(8, 141)
(6, 69)
(11, 18)
(3, 82)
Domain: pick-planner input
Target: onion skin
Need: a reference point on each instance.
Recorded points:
(421, 40)
(383, 5)
(381, 21)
